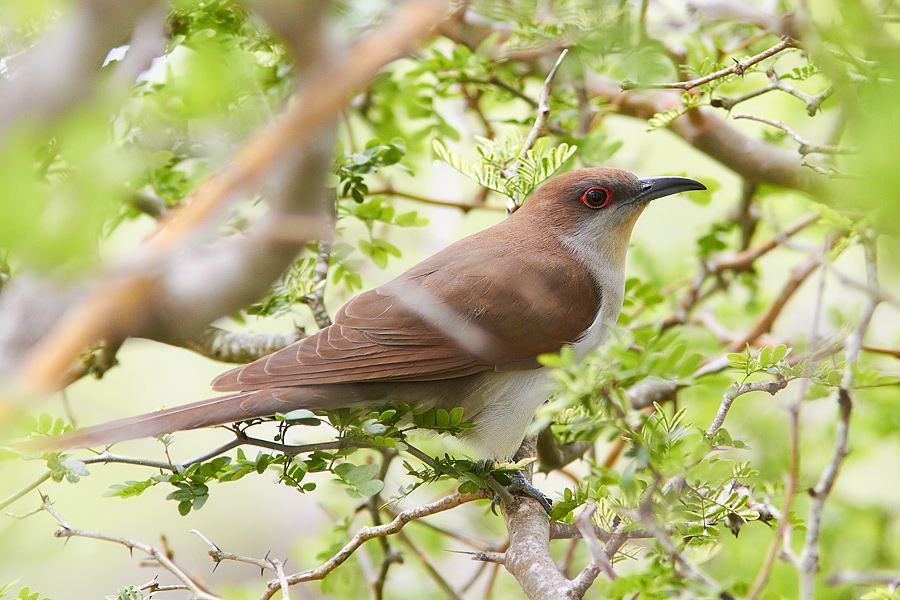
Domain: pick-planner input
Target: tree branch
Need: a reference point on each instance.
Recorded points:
(67, 531)
(234, 347)
(123, 303)
(806, 147)
(738, 68)
(365, 534)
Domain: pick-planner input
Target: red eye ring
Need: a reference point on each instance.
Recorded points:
(592, 199)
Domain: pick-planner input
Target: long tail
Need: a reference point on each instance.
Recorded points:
(206, 413)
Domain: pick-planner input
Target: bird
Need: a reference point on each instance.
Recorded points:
(463, 328)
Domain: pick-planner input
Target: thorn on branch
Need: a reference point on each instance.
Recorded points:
(739, 68)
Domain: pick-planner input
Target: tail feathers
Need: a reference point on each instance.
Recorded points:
(206, 413)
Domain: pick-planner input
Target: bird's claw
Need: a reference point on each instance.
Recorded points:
(521, 486)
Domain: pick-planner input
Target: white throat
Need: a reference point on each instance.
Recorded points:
(605, 259)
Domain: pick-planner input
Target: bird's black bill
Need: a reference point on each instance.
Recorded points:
(657, 187)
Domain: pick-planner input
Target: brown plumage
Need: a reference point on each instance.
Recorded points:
(462, 328)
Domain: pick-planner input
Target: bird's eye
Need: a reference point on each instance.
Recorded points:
(596, 197)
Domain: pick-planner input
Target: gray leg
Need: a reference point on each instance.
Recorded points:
(520, 485)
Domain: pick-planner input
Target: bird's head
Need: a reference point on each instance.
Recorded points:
(596, 208)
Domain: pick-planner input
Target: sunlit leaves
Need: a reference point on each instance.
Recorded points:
(495, 158)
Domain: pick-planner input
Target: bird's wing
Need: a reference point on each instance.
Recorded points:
(457, 313)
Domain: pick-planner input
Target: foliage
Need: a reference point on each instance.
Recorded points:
(82, 184)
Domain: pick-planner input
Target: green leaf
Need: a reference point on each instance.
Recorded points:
(371, 487)
(737, 359)
(779, 352)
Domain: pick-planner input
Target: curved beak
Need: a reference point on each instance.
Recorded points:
(657, 187)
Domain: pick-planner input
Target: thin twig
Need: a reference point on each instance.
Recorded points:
(537, 130)
(766, 321)
(583, 580)
(813, 103)
(273, 564)
(782, 533)
(772, 387)
(28, 488)
(600, 558)
(429, 567)
(646, 518)
(365, 534)
(809, 557)
(743, 261)
(463, 206)
(497, 82)
(738, 68)
(806, 147)
(67, 531)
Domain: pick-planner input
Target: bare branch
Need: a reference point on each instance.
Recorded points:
(237, 347)
(771, 387)
(783, 532)
(365, 534)
(464, 206)
(67, 531)
(813, 103)
(497, 82)
(806, 147)
(584, 579)
(743, 261)
(24, 491)
(766, 321)
(646, 518)
(537, 130)
(738, 68)
(429, 567)
(600, 558)
(809, 557)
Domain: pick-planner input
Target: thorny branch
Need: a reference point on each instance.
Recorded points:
(67, 531)
(739, 68)
(365, 534)
(272, 564)
(813, 103)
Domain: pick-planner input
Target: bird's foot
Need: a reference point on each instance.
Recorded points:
(521, 486)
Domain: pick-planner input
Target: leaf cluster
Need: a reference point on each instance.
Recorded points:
(496, 158)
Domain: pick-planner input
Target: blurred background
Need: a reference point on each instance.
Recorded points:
(113, 116)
